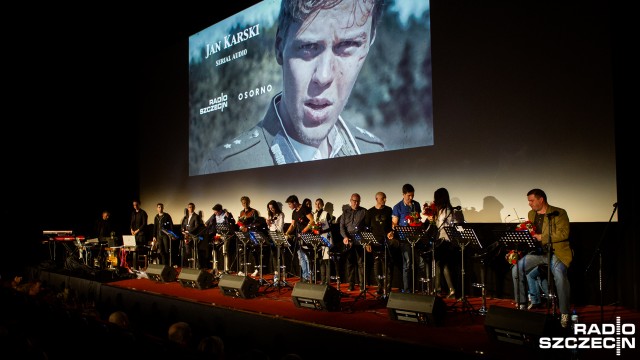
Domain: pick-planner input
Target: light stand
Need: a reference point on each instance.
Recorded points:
(551, 296)
(386, 249)
(598, 252)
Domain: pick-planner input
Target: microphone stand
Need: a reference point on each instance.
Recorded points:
(598, 252)
(552, 288)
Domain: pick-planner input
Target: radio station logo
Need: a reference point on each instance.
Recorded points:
(617, 336)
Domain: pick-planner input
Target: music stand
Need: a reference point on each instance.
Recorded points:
(461, 236)
(172, 236)
(411, 234)
(261, 241)
(244, 238)
(364, 238)
(279, 240)
(315, 240)
(518, 241)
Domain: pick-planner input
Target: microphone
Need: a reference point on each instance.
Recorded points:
(505, 218)
(555, 213)
(457, 207)
(615, 204)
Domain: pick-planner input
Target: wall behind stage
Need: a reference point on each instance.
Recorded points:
(522, 98)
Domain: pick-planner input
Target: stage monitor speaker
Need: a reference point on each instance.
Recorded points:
(195, 278)
(238, 286)
(161, 273)
(315, 296)
(515, 326)
(418, 308)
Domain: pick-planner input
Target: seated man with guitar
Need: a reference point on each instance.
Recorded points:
(552, 230)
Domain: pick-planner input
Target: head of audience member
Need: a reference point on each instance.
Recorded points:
(31, 288)
(119, 318)
(180, 333)
(212, 346)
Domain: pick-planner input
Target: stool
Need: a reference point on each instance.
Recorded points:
(483, 309)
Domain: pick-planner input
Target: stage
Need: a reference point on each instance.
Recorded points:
(268, 318)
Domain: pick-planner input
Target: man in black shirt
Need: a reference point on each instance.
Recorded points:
(139, 220)
(378, 220)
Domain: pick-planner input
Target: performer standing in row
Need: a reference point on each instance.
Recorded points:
(247, 221)
(275, 222)
(301, 222)
(444, 252)
(222, 245)
(378, 219)
(139, 220)
(162, 221)
(323, 220)
(351, 221)
(104, 230)
(407, 207)
(192, 228)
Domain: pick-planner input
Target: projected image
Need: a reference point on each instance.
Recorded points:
(281, 83)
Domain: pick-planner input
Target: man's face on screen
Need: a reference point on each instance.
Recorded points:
(321, 59)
